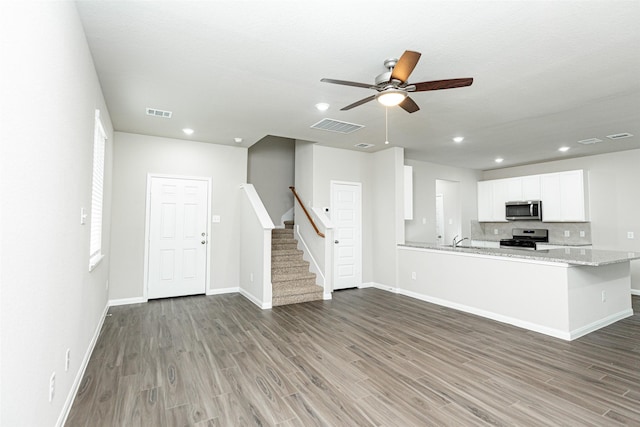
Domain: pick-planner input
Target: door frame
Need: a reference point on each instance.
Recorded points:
(358, 274)
(147, 232)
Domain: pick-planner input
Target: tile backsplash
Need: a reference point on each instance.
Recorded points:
(502, 230)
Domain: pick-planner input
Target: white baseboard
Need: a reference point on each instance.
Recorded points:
(126, 301)
(62, 419)
(577, 333)
(223, 291)
(378, 286)
(256, 301)
(635, 291)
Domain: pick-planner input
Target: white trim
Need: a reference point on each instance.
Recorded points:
(223, 291)
(71, 396)
(256, 301)
(567, 336)
(208, 180)
(307, 256)
(359, 249)
(126, 301)
(635, 291)
(601, 323)
(379, 286)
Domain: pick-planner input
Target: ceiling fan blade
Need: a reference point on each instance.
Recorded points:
(409, 105)
(405, 65)
(442, 84)
(357, 103)
(347, 83)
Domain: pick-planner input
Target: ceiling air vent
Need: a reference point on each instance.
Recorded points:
(589, 141)
(619, 135)
(363, 145)
(336, 126)
(159, 113)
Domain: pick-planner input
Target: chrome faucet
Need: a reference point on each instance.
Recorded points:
(457, 242)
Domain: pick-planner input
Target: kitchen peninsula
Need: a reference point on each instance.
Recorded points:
(565, 293)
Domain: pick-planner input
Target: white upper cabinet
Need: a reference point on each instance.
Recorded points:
(492, 196)
(485, 201)
(564, 196)
(530, 187)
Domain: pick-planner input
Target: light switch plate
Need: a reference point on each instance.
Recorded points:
(215, 218)
(630, 235)
(567, 233)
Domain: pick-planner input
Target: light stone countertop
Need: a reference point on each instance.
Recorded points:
(571, 256)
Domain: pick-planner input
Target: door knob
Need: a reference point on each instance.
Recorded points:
(203, 242)
(336, 242)
(204, 234)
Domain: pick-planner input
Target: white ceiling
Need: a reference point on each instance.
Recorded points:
(546, 73)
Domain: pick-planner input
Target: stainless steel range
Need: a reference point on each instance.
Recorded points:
(525, 238)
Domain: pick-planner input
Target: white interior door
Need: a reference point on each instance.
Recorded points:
(439, 219)
(178, 241)
(346, 215)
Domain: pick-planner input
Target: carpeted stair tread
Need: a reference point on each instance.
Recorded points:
(291, 280)
(280, 291)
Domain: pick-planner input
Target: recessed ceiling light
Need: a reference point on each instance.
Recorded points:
(237, 140)
(563, 149)
(322, 106)
(499, 160)
(458, 139)
(188, 131)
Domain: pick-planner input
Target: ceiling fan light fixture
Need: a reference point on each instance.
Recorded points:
(391, 97)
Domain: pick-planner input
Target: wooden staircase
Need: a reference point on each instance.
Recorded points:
(291, 280)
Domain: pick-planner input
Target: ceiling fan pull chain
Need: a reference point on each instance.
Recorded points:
(386, 125)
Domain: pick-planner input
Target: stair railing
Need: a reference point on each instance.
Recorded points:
(313, 224)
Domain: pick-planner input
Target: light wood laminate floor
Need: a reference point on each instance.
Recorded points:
(365, 358)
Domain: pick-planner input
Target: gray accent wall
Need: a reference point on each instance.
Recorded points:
(271, 170)
(136, 156)
(614, 197)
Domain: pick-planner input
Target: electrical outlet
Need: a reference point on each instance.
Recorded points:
(567, 233)
(495, 231)
(251, 277)
(106, 286)
(424, 220)
(67, 360)
(413, 275)
(630, 235)
(604, 296)
(52, 386)
(582, 234)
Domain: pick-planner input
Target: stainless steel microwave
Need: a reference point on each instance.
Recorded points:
(523, 210)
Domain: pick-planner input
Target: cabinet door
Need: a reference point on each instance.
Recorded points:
(531, 187)
(500, 196)
(572, 195)
(551, 197)
(514, 189)
(485, 201)
(563, 196)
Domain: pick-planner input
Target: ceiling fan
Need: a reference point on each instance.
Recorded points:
(393, 87)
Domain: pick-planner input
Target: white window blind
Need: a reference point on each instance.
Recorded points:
(95, 245)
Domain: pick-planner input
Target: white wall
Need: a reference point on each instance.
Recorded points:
(425, 175)
(255, 244)
(135, 156)
(334, 164)
(388, 213)
(613, 195)
(50, 301)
